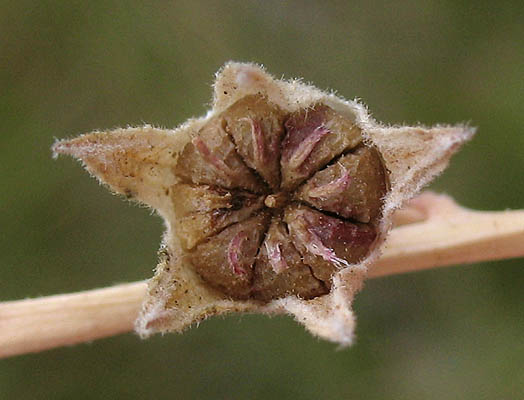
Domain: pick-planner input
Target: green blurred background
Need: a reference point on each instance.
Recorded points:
(72, 67)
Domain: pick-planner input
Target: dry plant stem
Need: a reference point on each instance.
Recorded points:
(32, 325)
(434, 232)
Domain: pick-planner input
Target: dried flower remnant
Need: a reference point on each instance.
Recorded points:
(276, 202)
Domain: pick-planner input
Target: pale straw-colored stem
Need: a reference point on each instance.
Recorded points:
(432, 231)
(32, 325)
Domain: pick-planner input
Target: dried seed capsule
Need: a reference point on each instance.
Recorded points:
(302, 262)
(325, 149)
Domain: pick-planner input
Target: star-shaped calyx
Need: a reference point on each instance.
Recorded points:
(277, 201)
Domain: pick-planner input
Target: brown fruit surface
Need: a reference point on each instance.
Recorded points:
(279, 270)
(327, 243)
(210, 158)
(226, 260)
(203, 210)
(353, 187)
(242, 153)
(257, 130)
(314, 137)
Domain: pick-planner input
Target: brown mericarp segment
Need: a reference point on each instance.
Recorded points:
(226, 260)
(327, 243)
(203, 210)
(279, 270)
(257, 128)
(210, 158)
(353, 187)
(315, 136)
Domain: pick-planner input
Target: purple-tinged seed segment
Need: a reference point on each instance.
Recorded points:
(279, 270)
(314, 137)
(259, 146)
(256, 126)
(234, 253)
(297, 155)
(274, 255)
(202, 210)
(226, 260)
(327, 243)
(210, 158)
(313, 243)
(353, 187)
(333, 188)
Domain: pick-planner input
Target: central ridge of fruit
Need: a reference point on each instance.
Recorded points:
(272, 203)
(277, 200)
